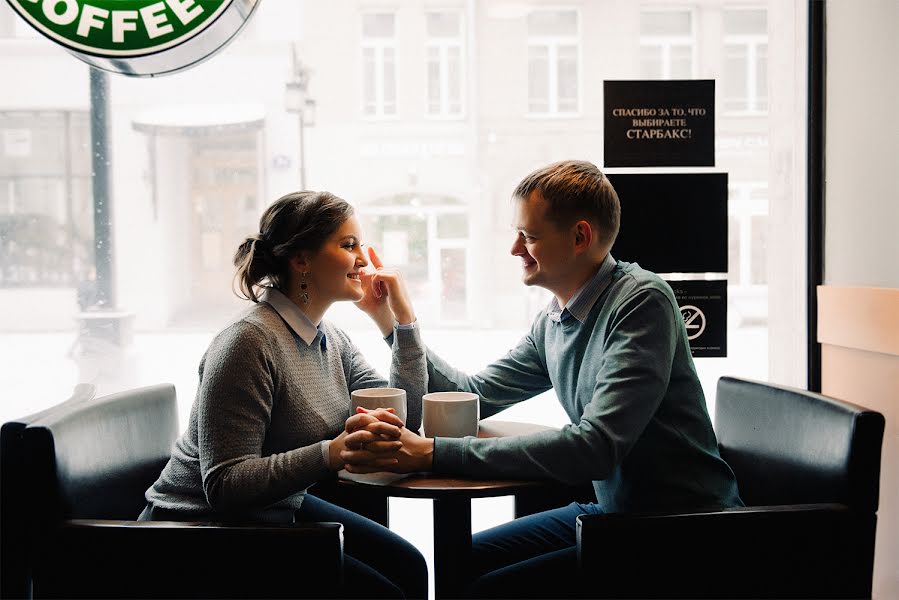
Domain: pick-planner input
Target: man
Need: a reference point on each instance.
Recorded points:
(613, 346)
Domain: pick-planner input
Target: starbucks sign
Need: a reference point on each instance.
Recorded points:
(138, 37)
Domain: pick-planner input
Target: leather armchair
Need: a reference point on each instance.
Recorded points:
(808, 468)
(83, 470)
(14, 564)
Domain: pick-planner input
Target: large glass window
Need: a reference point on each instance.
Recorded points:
(426, 117)
(553, 56)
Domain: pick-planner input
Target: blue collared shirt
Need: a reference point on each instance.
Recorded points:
(295, 318)
(584, 299)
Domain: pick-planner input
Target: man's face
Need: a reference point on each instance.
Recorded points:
(546, 249)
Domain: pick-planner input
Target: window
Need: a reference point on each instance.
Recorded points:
(379, 51)
(748, 224)
(428, 237)
(667, 44)
(46, 218)
(193, 166)
(14, 27)
(746, 61)
(553, 51)
(446, 66)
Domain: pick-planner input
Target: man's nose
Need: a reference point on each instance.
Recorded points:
(517, 248)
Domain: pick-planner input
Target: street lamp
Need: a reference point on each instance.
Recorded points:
(296, 99)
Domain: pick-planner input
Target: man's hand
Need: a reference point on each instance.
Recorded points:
(415, 454)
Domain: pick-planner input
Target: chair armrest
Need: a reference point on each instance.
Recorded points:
(167, 559)
(815, 550)
(540, 499)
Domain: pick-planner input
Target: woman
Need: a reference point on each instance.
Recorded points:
(274, 394)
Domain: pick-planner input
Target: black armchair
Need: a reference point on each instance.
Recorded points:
(808, 468)
(82, 471)
(14, 563)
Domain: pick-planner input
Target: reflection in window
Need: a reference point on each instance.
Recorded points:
(667, 44)
(378, 64)
(553, 62)
(445, 63)
(745, 61)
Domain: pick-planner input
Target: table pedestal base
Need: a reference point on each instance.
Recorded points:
(452, 546)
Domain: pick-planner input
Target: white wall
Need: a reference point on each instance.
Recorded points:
(861, 246)
(862, 144)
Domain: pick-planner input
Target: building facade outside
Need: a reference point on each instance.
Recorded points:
(424, 118)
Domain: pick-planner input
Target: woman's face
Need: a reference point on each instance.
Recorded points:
(333, 272)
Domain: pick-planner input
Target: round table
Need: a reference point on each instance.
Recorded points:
(452, 505)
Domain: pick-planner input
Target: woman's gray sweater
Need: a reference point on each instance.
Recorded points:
(265, 402)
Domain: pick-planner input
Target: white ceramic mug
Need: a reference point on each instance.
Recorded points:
(450, 414)
(386, 397)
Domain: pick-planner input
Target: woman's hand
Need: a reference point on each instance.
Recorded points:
(385, 298)
(415, 454)
(374, 432)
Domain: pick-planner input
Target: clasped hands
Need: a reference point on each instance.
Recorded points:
(376, 440)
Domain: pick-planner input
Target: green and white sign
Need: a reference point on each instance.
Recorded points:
(138, 37)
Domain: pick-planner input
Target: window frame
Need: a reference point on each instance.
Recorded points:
(666, 42)
(552, 43)
(751, 43)
(442, 45)
(378, 45)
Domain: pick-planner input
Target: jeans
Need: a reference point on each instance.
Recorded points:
(377, 563)
(530, 557)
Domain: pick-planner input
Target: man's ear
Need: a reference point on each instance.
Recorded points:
(583, 236)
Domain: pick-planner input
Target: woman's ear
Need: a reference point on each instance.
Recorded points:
(299, 263)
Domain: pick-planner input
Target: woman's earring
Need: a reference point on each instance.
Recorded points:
(304, 295)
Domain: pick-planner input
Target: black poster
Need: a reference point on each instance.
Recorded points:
(673, 223)
(703, 305)
(660, 123)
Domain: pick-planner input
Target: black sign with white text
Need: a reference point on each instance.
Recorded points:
(668, 123)
(673, 222)
(703, 306)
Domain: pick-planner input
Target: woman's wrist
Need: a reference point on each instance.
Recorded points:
(384, 321)
(402, 312)
(404, 318)
(334, 449)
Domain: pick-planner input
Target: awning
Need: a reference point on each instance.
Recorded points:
(200, 119)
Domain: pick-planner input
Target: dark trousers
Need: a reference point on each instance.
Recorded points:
(530, 557)
(377, 562)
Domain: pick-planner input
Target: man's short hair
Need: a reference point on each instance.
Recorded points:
(575, 190)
